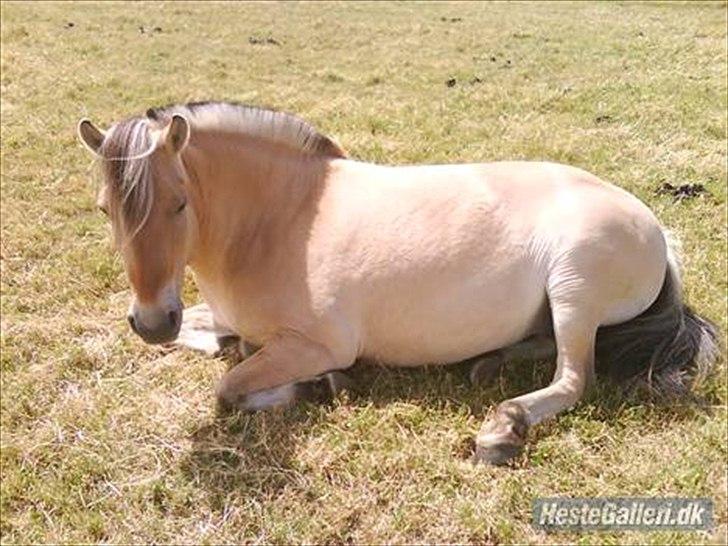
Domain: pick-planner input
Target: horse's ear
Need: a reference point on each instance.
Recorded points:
(90, 135)
(178, 133)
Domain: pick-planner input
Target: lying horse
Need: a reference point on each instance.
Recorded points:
(319, 260)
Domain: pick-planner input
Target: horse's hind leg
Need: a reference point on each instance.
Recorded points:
(485, 367)
(503, 435)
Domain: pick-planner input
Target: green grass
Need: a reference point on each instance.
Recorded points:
(107, 440)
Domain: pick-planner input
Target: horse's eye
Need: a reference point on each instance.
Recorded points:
(104, 210)
(181, 207)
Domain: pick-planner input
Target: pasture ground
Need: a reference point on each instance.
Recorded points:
(105, 439)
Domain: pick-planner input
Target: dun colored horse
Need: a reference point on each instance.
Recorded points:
(319, 259)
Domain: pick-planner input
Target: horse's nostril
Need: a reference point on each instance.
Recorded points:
(132, 323)
(174, 317)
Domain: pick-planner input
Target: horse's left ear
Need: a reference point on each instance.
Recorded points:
(178, 133)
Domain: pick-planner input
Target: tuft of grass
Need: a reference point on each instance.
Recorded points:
(106, 440)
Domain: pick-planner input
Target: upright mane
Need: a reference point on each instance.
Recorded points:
(279, 127)
(129, 143)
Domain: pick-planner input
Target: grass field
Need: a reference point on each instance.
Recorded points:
(105, 439)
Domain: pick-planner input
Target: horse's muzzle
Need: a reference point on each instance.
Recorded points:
(157, 327)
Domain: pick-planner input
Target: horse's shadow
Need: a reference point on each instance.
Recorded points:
(255, 453)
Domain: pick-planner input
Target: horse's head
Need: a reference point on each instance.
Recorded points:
(145, 195)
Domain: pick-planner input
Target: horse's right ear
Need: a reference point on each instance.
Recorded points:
(90, 135)
(177, 133)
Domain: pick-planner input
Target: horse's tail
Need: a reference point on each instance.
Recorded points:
(668, 346)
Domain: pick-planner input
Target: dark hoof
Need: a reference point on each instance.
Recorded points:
(339, 382)
(234, 350)
(324, 388)
(497, 454)
(229, 349)
(503, 436)
(485, 369)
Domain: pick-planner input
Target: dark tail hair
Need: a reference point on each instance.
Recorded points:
(668, 346)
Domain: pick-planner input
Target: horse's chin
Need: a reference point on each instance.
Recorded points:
(158, 338)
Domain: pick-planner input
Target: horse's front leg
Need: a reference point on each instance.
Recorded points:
(200, 331)
(503, 436)
(280, 373)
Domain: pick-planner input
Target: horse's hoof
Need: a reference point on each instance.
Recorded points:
(497, 454)
(338, 382)
(227, 348)
(324, 388)
(485, 369)
(503, 436)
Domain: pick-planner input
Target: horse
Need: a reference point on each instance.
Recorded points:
(318, 260)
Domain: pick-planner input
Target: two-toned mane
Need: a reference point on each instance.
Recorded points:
(273, 126)
(319, 260)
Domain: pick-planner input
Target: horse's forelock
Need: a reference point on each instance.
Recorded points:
(126, 155)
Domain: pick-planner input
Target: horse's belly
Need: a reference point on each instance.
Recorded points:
(447, 322)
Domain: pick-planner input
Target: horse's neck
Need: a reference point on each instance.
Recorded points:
(248, 191)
